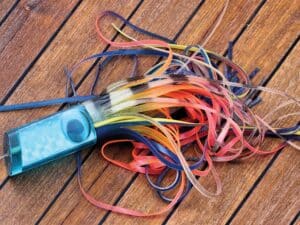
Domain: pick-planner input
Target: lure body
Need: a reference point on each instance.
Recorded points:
(74, 129)
(50, 138)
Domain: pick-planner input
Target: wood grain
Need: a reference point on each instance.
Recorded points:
(51, 193)
(27, 195)
(24, 34)
(5, 6)
(276, 199)
(255, 47)
(78, 210)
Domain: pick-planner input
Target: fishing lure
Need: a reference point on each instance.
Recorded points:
(191, 99)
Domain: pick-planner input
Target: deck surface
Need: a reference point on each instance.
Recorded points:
(39, 38)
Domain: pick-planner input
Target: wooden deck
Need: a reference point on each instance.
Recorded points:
(38, 38)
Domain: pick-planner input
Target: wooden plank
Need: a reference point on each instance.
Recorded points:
(76, 209)
(25, 33)
(5, 7)
(27, 196)
(101, 184)
(256, 47)
(108, 189)
(276, 199)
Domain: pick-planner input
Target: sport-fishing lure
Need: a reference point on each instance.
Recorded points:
(192, 99)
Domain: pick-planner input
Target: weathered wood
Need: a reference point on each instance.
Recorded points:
(24, 34)
(25, 198)
(256, 47)
(100, 183)
(27, 195)
(5, 6)
(276, 199)
(112, 181)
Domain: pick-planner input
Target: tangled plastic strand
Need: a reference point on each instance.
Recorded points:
(192, 98)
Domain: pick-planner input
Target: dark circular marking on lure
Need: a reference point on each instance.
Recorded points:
(75, 130)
